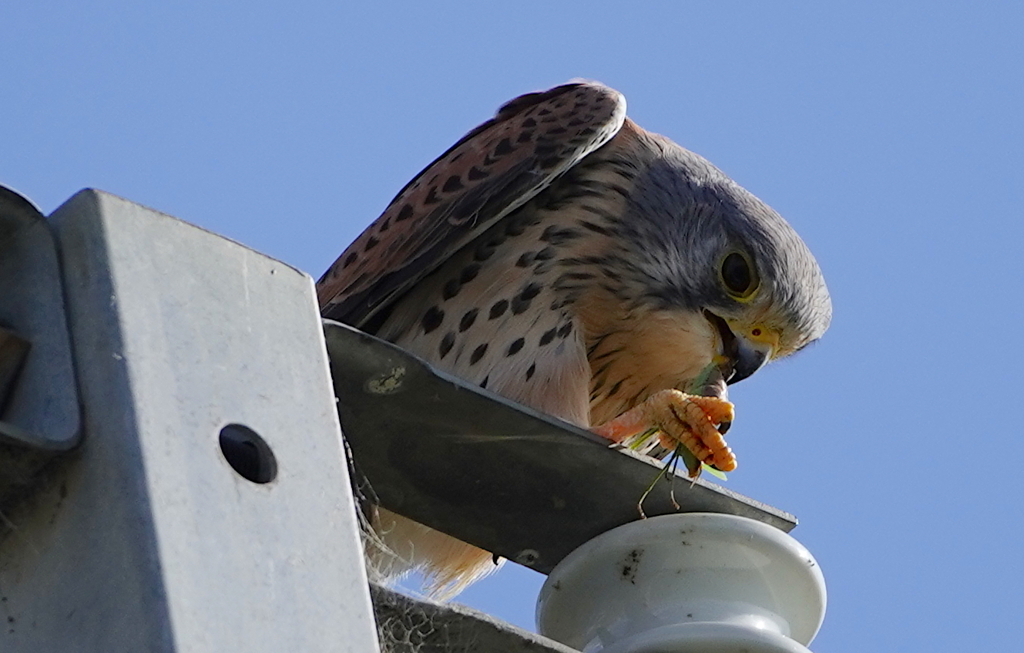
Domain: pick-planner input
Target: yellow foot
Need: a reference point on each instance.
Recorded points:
(690, 420)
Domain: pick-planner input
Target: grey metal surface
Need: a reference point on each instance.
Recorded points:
(409, 625)
(145, 538)
(490, 472)
(13, 351)
(42, 410)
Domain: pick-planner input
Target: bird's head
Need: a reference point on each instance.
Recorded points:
(716, 250)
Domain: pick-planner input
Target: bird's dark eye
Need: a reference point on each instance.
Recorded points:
(738, 275)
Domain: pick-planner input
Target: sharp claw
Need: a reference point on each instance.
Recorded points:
(696, 423)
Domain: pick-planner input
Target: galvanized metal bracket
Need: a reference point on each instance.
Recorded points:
(208, 507)
(491, 472)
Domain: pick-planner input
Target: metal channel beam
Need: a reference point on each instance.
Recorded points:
(411, 625)
(490, 472)
(146, 538)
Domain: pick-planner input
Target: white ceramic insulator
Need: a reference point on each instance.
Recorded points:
(699, 582)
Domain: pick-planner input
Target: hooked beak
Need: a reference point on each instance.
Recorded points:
(743, 356)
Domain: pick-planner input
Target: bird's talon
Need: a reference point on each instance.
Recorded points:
(695, 422)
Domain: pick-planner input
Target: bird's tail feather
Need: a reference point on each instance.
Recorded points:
(396, 546)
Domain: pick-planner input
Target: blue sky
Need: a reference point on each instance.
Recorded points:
(890, 136)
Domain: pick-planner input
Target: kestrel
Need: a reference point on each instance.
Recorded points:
(565, 258)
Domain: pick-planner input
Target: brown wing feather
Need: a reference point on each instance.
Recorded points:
(491, 171)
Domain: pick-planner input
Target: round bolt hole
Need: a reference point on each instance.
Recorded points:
(247, 453)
